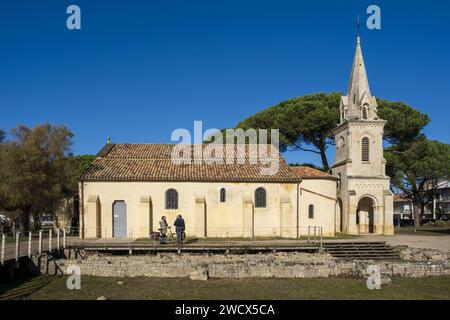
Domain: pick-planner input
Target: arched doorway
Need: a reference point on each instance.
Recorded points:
(365, 215)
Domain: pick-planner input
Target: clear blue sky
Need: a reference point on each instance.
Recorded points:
(140, 69)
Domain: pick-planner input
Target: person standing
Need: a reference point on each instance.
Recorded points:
(179, 228)
(163, 226)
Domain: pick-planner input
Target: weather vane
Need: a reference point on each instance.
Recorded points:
(358, 25)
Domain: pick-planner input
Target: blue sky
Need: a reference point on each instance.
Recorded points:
(137, 70)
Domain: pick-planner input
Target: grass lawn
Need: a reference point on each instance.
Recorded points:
(322, 288)
(424, 231)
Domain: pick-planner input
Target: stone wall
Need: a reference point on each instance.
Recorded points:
(417, 254)
(277, 265)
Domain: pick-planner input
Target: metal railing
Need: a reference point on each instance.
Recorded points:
(21, 244)
(195, 238)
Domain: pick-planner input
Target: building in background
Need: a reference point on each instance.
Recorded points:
(437, 208)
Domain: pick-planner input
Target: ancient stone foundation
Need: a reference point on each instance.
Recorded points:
(276, 265)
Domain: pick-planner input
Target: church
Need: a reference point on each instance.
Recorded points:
(129, 187)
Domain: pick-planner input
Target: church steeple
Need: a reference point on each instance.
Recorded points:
(358, 84)
(358, 103)
(365, 200)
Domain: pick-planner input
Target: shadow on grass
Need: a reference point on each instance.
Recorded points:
(423, 231)
(246, 289)
(8, 284)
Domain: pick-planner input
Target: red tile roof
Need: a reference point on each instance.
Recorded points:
(153, 162)
(305, 172)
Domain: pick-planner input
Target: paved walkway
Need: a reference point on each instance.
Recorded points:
(197, 242)
(441, 243)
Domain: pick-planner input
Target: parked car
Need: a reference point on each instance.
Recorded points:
(48, 222)
(5, 224)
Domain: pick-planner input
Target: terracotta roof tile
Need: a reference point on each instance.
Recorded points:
(305, 172)
(153, 162)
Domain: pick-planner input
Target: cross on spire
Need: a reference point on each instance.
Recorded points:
(358, 25)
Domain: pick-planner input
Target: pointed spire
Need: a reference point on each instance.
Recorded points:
(359, 83)
(359, 102)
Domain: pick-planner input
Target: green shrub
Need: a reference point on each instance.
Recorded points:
(440, 223)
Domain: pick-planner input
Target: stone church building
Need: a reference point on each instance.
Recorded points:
(129, 187)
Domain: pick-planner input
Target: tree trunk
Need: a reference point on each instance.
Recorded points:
(422, 212)
(35, 221)
(416, 217)
(323, 155)
(25, 220)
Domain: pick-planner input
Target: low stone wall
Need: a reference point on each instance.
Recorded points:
(417, 254)
(276, 265)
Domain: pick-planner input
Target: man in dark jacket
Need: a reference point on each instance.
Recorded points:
(179, 228)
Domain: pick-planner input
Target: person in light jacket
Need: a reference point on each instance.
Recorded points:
(163, 226)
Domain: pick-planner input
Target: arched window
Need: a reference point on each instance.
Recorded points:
(311, 211)
(222, 195)
(365, 149)
(364, 112)
(171, 199)
(260, 198)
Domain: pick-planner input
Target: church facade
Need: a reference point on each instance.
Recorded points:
(129, 187)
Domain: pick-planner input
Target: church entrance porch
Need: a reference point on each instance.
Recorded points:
(365, 215)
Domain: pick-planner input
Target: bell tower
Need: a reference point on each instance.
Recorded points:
(365, 199)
